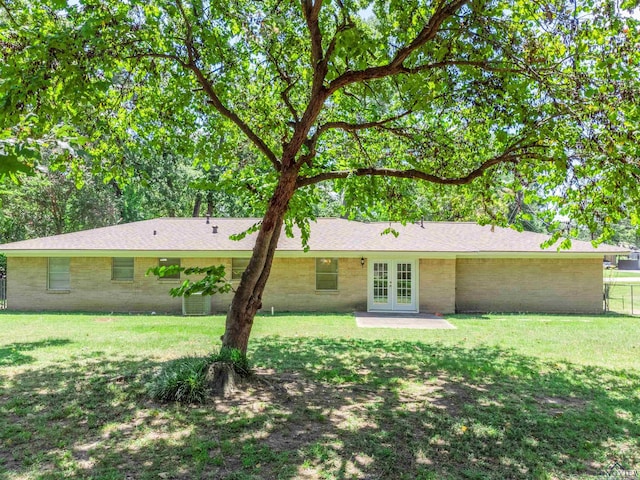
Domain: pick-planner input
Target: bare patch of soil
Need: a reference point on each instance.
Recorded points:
(559, 405)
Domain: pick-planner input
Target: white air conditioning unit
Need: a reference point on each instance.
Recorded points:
(196, 304)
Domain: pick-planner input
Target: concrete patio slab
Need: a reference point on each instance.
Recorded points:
(401, 320)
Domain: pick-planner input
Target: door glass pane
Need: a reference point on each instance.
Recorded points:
(403, 283)
(380, 283)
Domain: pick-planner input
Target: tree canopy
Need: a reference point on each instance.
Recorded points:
(518, 102)
(537, 97)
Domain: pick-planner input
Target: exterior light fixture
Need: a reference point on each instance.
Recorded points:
(362, 262)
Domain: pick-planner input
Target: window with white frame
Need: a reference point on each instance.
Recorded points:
(238, 266)
(122, 269)
(58, 275)
(169, 262)
(326, 274)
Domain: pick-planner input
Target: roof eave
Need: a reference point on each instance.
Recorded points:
(312, 253)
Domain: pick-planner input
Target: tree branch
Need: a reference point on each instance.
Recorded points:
(395, 66)
(365, 154)
(287, 101)
(311, 11)
(166, 56)
(429, 31)
(320, 92)
(341, 26)
(231, 115)
(189, 38)
(348, 127)
(351, 127)
(9, 14)
(215, 101)
(507, 157)
(286, 79)
(488, 66)
(207, 86)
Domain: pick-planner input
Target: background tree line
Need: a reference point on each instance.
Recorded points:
(53, 201)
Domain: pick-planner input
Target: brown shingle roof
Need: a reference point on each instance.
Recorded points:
(327, 234)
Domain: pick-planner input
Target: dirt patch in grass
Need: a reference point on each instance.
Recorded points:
(8, 458)
(555, 405)
(105, 319)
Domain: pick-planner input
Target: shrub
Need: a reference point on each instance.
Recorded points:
(182, 380)
(185, 380)
(236, 358)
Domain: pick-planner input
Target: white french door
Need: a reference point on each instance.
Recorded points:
(392, 285)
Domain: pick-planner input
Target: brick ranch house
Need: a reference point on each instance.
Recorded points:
(350, 266)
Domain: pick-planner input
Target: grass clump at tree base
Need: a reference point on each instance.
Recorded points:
(188, 379)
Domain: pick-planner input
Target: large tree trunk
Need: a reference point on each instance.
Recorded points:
(248, 297)
(196, 205)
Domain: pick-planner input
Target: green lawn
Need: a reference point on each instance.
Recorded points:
(620, 274)
(502, 396)
(624, 297)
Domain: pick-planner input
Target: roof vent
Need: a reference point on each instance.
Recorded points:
(207, 219)
(214, 228)
(155, 233)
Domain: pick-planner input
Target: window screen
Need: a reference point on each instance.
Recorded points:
(167, 262)
(326, 273)
(59, 277)
(121, 268)
(238, 266)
